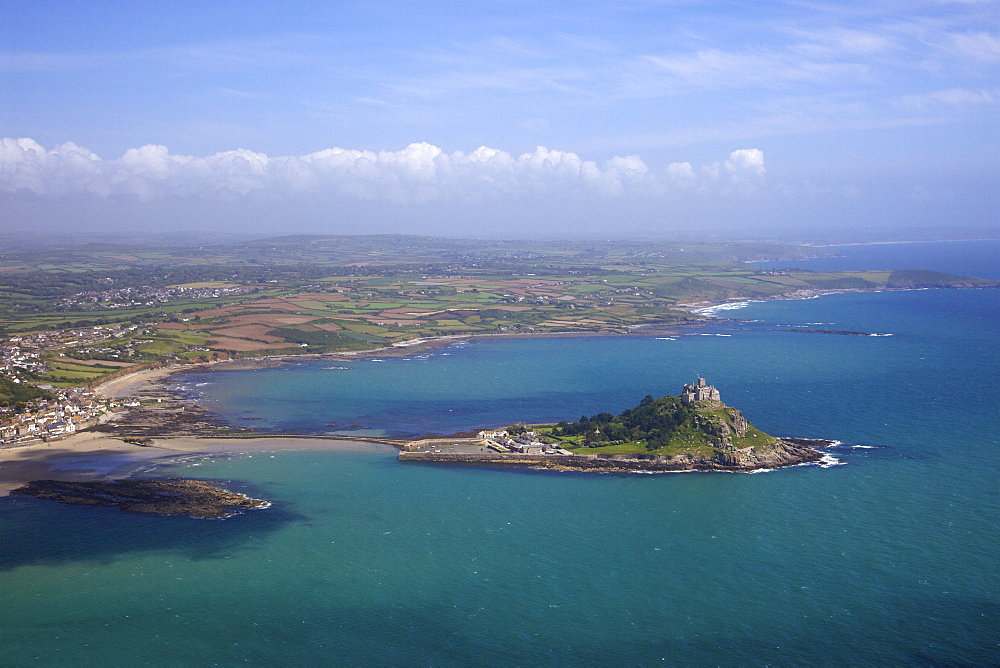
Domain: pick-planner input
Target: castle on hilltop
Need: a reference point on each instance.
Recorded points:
(699, 392)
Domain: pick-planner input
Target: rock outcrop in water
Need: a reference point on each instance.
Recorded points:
(173, 496)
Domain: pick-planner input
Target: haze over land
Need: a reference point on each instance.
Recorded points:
(617, 119)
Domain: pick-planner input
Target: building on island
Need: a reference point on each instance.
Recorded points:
(699, 392)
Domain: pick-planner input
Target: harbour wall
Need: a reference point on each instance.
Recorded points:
(582, 462)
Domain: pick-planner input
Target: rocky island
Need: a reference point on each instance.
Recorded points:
(691, 432)
(174, 496)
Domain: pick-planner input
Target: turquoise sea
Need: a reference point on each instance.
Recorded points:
(887, 557)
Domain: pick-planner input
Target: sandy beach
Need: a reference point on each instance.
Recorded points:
(124, 386)
(95, 456)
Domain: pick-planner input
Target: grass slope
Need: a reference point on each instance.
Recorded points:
(663, 426)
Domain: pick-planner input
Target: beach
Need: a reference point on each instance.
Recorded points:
(126, 385)
(95, 456)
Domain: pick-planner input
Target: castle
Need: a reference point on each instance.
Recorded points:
(699, 392)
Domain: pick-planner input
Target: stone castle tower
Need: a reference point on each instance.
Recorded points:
(699, 392)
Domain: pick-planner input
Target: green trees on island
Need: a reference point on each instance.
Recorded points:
(654, 421)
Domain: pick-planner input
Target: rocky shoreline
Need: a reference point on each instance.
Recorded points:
(784, 453)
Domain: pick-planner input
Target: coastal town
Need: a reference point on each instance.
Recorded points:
(36, 411)
(25, 352)
(142, 296)
(70, 410)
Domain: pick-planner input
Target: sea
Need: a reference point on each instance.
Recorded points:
(886, 553)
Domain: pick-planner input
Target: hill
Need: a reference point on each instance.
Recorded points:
(12, 393)
(663, 426)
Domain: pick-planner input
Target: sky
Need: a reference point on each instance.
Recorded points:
(642, 118)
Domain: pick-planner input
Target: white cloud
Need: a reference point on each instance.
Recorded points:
(952, 97)
(842, 42)
(745, 164)
(981, 46)
(420, 172)
(714, 68)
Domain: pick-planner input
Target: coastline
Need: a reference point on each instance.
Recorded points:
(895, 243)
(91, 456)
(709, 308)
(127, 384)
(95, 455)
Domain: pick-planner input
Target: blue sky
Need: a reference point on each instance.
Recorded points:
(500, 118)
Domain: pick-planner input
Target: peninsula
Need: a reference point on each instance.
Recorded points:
(691, 432)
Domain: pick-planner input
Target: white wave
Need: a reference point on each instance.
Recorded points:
(666, 338)
(865, 447)
(829, 460)
(877, 334)
(712, 310)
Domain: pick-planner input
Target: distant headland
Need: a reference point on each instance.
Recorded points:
(695, 431)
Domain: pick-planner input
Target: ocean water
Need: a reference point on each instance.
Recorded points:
(887, 557)
(964, 258)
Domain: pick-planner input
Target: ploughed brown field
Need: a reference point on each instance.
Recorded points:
(255, 332)
(270, 319)
(243, 345)
(96, 362)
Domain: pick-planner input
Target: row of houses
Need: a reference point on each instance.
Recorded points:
(23, 354)
(72, 409)
(14, 359)
(147, 296)
(526, 443)
(65, 338)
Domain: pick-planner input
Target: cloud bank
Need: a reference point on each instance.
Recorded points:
(418, 173)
